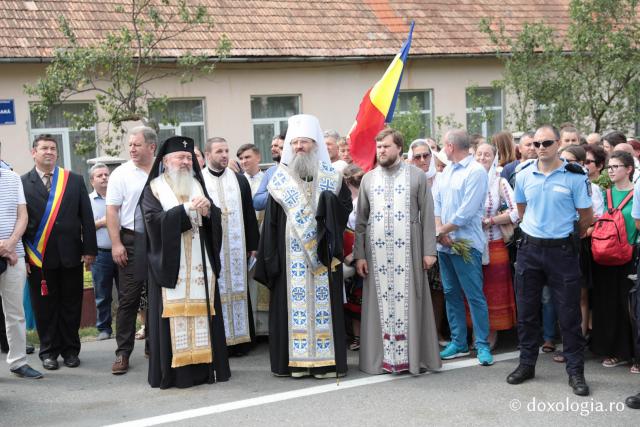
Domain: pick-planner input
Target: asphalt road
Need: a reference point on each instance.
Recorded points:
(462, 394)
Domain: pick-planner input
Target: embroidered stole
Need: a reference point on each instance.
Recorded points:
(389, 225)
(232, 283)
(36, 248)
(186, 306)
(310, 327)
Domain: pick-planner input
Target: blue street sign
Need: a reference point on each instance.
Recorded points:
(7, 112)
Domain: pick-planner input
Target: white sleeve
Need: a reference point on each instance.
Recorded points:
(115, 192)
(597, 200)
(21, 198)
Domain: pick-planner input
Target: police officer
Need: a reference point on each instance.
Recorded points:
(548, 193)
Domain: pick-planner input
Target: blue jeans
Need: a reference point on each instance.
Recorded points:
(464, 279)
(104, 272)
(549, 318)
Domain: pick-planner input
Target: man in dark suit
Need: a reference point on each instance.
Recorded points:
(56, 269)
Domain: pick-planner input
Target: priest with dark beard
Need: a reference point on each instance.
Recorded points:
(299, 257)
(186, 332)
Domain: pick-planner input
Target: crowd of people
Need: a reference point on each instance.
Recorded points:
(424, 258)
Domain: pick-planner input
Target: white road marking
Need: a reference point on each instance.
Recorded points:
(295, 394)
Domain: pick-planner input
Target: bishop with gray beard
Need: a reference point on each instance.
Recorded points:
(185, 324)
(299, 257)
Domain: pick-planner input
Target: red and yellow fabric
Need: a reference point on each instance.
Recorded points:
(36, 249)
(376, 109)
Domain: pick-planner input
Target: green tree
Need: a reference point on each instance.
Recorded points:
(443, 124)
(410, 124)
(119, 68)
(589, 77)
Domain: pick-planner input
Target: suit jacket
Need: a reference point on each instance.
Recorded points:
(73, 233)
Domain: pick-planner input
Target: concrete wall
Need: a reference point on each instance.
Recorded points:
(330, 90)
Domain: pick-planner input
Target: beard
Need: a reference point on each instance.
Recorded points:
(305, 164)
(389, 161)
(181, 181)
(276, 158)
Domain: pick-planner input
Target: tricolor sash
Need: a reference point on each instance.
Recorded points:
(36, 248)
(390, 228)
(310, 325)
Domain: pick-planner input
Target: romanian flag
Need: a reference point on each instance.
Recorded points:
(376, 109)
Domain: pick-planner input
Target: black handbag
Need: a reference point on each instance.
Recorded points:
(3, 265)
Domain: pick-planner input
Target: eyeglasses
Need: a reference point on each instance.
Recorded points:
(546, 143)
(614, 167)
(423, 156)
(588, 162)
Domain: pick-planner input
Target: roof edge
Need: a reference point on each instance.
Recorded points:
(248, 59)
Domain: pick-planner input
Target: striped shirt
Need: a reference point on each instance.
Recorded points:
(11, 195)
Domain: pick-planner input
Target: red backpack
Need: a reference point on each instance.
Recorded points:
(609, 244)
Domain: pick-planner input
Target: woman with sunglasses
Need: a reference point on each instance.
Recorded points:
(499, 208)
(421, 155)
(612, 334)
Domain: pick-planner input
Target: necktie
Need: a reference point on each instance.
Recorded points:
(47, 181)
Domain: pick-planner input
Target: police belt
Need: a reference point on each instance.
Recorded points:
(549, 243)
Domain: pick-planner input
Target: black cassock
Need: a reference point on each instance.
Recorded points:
(271, 270)
(164, 231)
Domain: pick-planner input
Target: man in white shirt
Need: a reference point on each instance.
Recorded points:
(123, 192)
(13, 222)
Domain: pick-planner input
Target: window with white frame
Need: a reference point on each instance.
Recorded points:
(484, 111)
(269, 117)
(182, 117)
(60, 127)
(424, 99)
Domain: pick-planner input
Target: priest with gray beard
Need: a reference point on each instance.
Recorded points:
(299, 257)
(187, 343)
(394, 247)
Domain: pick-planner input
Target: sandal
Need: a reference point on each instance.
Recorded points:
(355, 344)
(141, 334)
(635, 368)
(559, 357)
(612, 362)
(548, 348)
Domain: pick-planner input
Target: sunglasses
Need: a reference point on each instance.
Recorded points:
(546, 143)
(423, 156)
(588, 162)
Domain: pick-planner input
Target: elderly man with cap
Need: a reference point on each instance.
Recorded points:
(183, 233)
(299, 255)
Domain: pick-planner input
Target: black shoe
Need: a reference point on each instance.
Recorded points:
(50, 364)
(633, 402)
(521, 374)
(26, 371)
(579, 385)
(72, 361)
(30, 349)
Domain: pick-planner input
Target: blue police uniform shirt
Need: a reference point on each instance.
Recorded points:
(551, 200)
(635, 209)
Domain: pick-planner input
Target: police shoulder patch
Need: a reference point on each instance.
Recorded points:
(524, 165)
(588, 183)
(574, 168)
